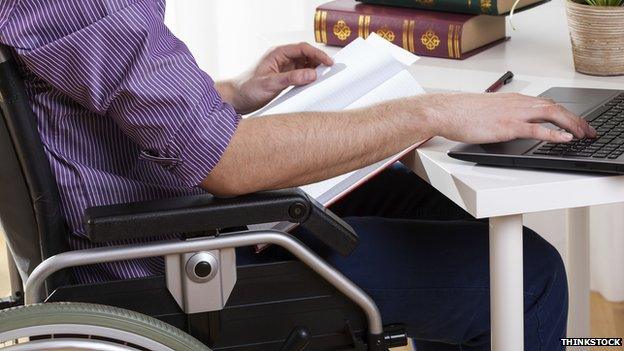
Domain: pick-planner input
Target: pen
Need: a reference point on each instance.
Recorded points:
(502, 81)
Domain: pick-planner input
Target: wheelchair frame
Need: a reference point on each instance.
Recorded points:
(35, 281)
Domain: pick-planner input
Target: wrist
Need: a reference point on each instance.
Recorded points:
(425, 116)
(228, 91)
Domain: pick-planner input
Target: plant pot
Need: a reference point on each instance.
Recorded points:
(597, 34)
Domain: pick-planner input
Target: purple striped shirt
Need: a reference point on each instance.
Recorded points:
(124, 112)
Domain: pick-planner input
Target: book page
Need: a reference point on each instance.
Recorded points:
(403, 84)
(359, 68)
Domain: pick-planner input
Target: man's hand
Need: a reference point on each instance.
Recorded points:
(279, 69)
(488, 118)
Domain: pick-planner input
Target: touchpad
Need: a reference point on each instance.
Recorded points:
(516, 147)
(576, 108)
(579, 100)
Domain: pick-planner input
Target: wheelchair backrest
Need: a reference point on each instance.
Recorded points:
(29, 200)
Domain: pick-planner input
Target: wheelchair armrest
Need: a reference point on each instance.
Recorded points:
(206, 212)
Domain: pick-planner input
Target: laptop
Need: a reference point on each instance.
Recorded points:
(603, 109)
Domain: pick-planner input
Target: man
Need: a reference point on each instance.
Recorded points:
(126, 115)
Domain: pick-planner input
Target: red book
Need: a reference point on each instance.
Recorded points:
(425, 33)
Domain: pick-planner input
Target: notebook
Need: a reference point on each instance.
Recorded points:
(364, 73)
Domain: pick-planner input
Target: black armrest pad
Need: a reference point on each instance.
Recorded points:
(206, 212)
(331, 229)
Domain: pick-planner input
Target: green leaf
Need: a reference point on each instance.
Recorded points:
(605, 2)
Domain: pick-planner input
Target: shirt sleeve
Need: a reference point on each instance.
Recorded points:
(119, 60)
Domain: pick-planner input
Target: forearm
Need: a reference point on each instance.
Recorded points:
(295, 149)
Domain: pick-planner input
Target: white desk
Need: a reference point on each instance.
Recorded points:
(540, 55)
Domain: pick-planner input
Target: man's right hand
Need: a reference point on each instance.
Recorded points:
(498, 117)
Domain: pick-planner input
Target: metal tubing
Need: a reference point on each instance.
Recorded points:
(121, 253)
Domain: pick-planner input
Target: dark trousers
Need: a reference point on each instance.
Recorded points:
(425, 263)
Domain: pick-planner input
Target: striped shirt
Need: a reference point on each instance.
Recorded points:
(123, 110)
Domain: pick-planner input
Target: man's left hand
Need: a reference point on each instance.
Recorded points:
(279, 68)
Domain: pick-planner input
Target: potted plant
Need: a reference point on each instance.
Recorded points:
(597, 34)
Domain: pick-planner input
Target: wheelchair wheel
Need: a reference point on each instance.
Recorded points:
(80, 326)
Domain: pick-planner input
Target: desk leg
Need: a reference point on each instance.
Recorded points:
(506, 283)
(578, 272)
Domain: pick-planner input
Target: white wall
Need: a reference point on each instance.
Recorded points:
(606, 251)
(213, 29)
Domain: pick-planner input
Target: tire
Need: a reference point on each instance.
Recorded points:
(53, 316)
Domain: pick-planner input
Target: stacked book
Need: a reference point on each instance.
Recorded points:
(454, 29)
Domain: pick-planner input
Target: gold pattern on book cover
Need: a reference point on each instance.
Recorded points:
(405, 29)
(361, 26)
(456, 41)
(410, 35)
(317, 26)
(386, 33)
(324, 27)
(426, 2)
(449, 43)
(430, 40)
(486, 5)
(367, 20)
(342, 30)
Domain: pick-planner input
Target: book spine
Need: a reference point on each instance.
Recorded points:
(476, 7)
(425, 36)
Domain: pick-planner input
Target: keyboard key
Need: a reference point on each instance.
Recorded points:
(579, 154)
(605, 139)
(597, 113)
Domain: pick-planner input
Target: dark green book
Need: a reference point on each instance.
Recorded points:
(477, 7)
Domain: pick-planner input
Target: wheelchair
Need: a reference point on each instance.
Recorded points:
(204, 301)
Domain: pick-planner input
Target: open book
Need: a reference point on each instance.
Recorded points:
(364, 73)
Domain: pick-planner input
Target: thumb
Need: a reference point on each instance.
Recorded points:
(297, 77)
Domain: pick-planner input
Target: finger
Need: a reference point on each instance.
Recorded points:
(539, 132)
(305, 50)
(547, 110)
(589, 130)
(560, 116)
(280, 81)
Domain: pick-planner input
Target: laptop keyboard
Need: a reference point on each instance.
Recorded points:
(608, 121)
